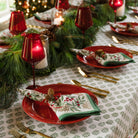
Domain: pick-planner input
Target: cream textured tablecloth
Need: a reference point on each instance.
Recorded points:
(119, 110)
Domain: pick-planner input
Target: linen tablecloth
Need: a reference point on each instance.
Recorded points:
(119, 110)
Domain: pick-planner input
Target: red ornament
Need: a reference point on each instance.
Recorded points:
(25, 5)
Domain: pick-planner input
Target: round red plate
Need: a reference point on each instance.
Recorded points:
(135, 11)
(43, 113)
(125, 32)
(92, 62)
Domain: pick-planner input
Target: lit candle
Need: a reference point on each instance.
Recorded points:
(58, 18)
(36, 51)
(121, 10)
(44, 62)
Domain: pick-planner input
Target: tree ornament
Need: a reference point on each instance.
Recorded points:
(25, 5)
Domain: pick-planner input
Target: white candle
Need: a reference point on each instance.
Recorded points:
(58, 19)
(43, 63)
(121, 10)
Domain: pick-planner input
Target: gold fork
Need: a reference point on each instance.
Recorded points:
(30, 131)
(16, 134)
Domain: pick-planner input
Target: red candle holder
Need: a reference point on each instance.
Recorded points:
(32, 52)
(17, 23)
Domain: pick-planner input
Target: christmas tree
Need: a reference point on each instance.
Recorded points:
(29, 7)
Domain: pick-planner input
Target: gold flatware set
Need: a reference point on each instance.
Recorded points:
(121, 41)
(97, 75)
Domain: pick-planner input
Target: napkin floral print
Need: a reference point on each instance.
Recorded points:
(73, 105)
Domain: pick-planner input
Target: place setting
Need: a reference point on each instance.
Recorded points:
(121, 30)
(63, 103)
(134, 9)
(105, 57)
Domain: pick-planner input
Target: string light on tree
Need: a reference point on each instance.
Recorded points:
(33, 6)
(20, 3)
(45, 6)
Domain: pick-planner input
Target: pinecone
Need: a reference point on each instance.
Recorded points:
(50, 32)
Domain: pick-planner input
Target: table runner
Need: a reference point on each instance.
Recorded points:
(119, 110)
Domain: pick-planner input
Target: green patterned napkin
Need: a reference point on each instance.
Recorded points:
(108, 59)
(66, 106)
(104, 58)
(74, 105)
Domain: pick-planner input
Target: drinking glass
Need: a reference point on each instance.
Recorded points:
(33, 52)
(62, 4)
(84, 18)
(17, 23)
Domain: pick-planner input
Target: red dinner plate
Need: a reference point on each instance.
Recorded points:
(92, 62)
(135, 11)
(42, 112)
(125, 32)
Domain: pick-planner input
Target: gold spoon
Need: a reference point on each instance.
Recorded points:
(116, 40)
(79, 84)
(86, 74)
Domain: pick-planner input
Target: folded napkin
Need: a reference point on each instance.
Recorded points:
(110, 59)
(104, 58)
(65, 106)
(133, 8)
(74, 105)
(33, 94)
(43, 16)
(128, 27)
